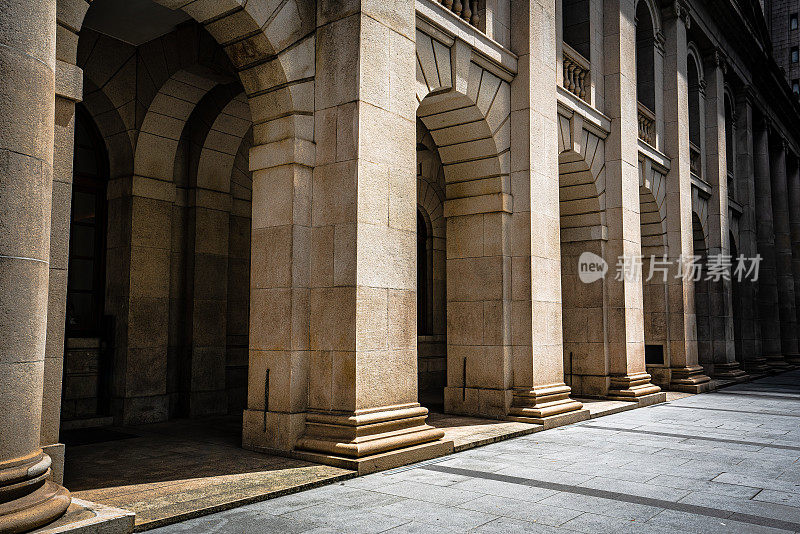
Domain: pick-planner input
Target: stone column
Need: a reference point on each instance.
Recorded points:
(754, 362)
(69, 90)
(767, 281)
(783, 250)
(793, 179)
(28, 499)
(723, 343)
(686, 374)
(540, 394)
(139, 243)
(623, 299)
(207, 275)
(362, 373)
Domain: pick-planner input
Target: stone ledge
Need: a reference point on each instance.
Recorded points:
(86, 517)
(382, 461)
(554, 421)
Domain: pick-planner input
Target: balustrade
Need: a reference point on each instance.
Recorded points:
(576, 73)
(466, 9)
(647, 125)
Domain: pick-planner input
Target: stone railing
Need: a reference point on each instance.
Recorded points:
(695, 163)
(647, 125)
(576, 73)
(466, 9)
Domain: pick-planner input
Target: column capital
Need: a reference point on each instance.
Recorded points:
(720, 60)
(660, 42)
(746, 96)
(678, 10)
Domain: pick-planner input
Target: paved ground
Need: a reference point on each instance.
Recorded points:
(719, 462)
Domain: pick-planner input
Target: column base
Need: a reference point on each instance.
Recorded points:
(730, 371)
(549, 406)
(793, 360)
(777, 363)
(690, 379)
(28, 500)
(372, 440)
(631, 387)
(756, 367)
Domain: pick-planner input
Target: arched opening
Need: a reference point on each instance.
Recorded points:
(645, 58)
(180, 97)
(431, 274)
(730, 146)
(694, 79)
(87, 364)
(655, 291)
(583, 230)
(737, 296)
(702, 301)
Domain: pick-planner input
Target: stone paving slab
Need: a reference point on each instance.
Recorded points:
(707, 463)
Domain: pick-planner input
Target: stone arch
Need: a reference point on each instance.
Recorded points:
(696, 81)
(581, 169)
(702, 300)
(466, 111)
(653, 11)
(164, 122)
(653, 209)
(464, 102)
(113, 130)
(430, 181)
(730, 139)
(700, 210)
(647, 30)
(431, 272)
(222, 144)
(655, 291)
(272, 50)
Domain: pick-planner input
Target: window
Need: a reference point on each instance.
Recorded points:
(796, 87)
(793, 21)
(794, 55)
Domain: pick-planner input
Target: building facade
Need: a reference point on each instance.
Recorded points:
(210, 207)
(783, 20)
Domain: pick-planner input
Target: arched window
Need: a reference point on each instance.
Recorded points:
(575, 20)
(423, 321)
(86, 279)
(645, 57)
(730, 146)
(694, 78)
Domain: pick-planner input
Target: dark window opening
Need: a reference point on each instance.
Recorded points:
(423, 322)
(86, 274)
(795, 55)
(654, 354)
(793, 21)
(645, 58)
(575, 19)
(796, 87)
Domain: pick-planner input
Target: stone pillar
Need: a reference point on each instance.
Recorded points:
(783, 250)
(540, 394)
(623, 299)
(69, 90)
(723, 362)
(28, 499)
(362, 373)
(207, 274)
(754, 361)
(137, 294)
(793, 179)
(686, 374)
(767, 281)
